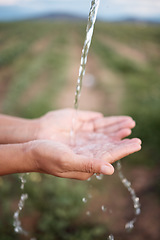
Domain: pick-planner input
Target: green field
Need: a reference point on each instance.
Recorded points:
(39, 64)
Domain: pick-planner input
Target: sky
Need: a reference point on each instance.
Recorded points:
(108, 10)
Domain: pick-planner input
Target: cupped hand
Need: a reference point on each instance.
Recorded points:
(90, 154)
(57, 125)
(96, 143)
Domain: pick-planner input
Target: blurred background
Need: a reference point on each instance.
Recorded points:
(40, 49)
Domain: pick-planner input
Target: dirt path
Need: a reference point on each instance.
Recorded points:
(7, 74)
(40, 83)
(111, 86)
(124, 50)
(41, 44)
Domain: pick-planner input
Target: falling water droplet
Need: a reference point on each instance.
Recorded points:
(99, 176)
(137, 211)
(111, 237)
(136, 202)
(84, 200)
(130, 225)
(104, 208)
(16, 214)
(89, 179)
(16, 229)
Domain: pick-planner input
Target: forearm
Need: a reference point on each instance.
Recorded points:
(16, 130)
(16, 158)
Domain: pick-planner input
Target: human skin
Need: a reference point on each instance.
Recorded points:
(44, 144)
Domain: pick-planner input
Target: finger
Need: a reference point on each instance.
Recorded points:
(72, 175)
(113, 121)
(87, 126)
(120, 134)
(86, 119)
(88, 115)
(90, 165)
(122, 149)
(76, 175)
(128, 123)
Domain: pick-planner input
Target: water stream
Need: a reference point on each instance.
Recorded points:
(89, 33)
(84, 55)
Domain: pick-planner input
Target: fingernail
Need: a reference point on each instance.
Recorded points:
(107, 169)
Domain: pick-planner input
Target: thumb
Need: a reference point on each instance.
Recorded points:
(92, 165)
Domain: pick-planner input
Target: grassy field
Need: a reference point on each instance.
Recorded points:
(39, 64)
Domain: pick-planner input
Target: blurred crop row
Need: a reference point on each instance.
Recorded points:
(38, 61)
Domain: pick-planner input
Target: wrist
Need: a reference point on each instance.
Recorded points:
(32, 150)
(17, 130)
(32, 129)
(29, 159)
(16, 158)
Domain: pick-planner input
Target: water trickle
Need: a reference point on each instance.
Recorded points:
(130, 225)
(23, 180)
(16, 219)
(136, 203)
(17, 223)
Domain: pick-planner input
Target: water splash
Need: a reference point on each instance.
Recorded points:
(136, 203)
